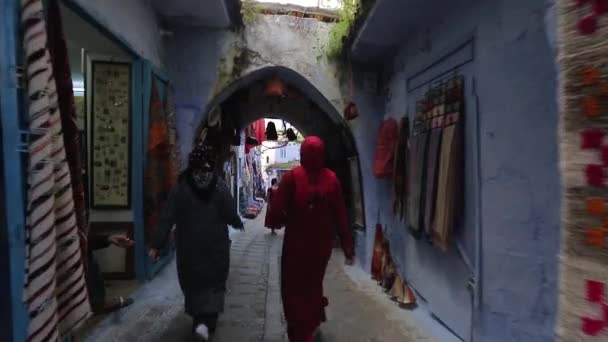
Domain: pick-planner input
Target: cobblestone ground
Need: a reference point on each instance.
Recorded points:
(253, 305)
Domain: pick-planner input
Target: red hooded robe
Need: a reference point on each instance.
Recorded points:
(310, 203)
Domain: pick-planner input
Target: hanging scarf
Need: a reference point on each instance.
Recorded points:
(55, 291)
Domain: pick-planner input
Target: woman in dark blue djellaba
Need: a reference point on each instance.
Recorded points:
(201, 208)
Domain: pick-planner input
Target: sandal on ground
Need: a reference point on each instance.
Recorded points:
(115, 304)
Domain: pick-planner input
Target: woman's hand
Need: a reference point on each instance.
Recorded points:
(121, 241)
(153, 253)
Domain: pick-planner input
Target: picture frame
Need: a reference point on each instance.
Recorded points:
(121, 268)
(357, 193)
(110, 135)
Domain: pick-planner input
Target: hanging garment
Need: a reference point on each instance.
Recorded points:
(160, 174)
(400, 169)
(377, 254)
(55, 292)
(388, 133)
(417, 179)
(71, 134)
(449, 182)
(310, 200)
(259, 128)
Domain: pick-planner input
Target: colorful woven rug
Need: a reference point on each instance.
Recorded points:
(583, 37)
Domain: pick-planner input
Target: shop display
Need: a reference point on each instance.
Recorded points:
(435, 165)
(583, 304)
(110, 135)
(53, 298)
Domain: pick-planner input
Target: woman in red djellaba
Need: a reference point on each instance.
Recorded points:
(273, 189)
(309, 202)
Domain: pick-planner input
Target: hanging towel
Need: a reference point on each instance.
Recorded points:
(55, 292)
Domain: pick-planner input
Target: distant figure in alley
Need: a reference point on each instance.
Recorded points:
(274, 187)
(201, 207)
(310, 203)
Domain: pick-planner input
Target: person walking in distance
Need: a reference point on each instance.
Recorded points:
(309, 202)
(273, 189)
(200, 206)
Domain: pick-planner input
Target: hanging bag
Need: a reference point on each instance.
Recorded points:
(388, 134)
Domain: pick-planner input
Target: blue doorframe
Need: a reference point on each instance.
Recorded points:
(12, 144)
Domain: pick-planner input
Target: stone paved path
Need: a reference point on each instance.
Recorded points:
(253, 306)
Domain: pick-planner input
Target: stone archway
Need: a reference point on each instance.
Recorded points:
(305, 107)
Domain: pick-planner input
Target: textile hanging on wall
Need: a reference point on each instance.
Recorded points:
(55, 291)
(71, 135)
(400, 169)
(388, 133)
(583, 304)
(448, 201)
(417, 164)
(170, 114)
(434, 116)
(160, 175)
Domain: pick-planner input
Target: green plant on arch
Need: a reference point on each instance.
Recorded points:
(342, 29)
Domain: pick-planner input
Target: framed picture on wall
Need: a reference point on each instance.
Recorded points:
(110, 135)
(357, 193)
(115, 262)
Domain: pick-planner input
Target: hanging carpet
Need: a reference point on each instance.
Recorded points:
(170, 114)
(55, 291)
(160, 174)
(583, 304)
(388, 133)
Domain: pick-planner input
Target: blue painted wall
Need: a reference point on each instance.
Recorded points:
(515, 83)
(193, 59)
(134, 22)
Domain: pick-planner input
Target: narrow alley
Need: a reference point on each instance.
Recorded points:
(253, 304)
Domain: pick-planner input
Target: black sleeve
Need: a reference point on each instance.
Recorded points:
(229, 211)
(167, 220)
(98, 241)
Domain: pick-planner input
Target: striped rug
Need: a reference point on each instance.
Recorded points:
(55, 290)
(583, 58)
